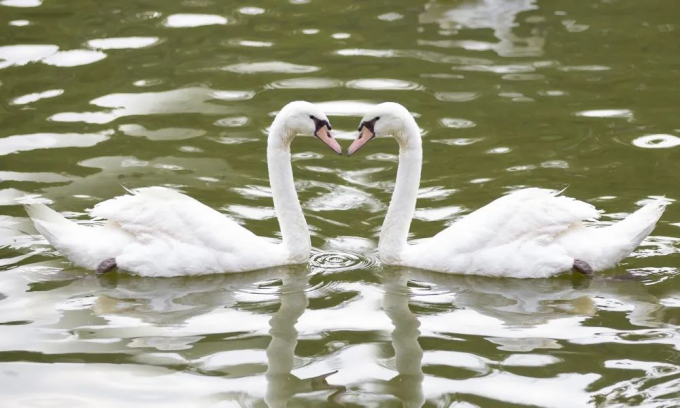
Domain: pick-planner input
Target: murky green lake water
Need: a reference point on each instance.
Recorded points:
(95, 95)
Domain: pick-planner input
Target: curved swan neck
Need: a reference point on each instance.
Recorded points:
(394, 232)
(294, 231)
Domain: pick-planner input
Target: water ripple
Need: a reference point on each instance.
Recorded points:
(181, 96)
(74, 58)
(429, 56)
(270, 67)
(21, 3)
(339, 197)
(161, 134)
(305, 83)
(459, 142)
(193, 20)
(251, 11)
(34, 97)
(456, 96)
(498, 69)
(251, 43)
(341, 36)
(22, 143)
(390, 16)
(338, 261)
(606, 113)
(186, 100)
(659, 141)
(119, 43)
(17, 55)
(456, 123)
(234, 121)
(382, 84)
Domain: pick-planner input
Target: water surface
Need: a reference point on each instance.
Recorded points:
(95, 96)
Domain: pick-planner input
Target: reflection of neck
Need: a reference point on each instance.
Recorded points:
(408, 354)
(294, 231)
(394, 232)
(281, 349)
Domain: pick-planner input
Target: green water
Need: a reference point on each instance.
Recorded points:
(555, 94)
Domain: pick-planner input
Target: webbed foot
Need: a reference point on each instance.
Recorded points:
(106, 266)
(584, 268)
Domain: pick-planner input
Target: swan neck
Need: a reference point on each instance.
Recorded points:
(294, 231)
(394, 232)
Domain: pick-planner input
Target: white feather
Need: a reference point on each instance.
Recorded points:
(85, 246)
(530, 233)
(157, 231)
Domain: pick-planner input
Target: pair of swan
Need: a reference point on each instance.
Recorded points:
(530, 233)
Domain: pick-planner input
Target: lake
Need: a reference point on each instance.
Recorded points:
(98, 96)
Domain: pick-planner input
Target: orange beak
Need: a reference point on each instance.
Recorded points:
(325, 135)
(364, 136)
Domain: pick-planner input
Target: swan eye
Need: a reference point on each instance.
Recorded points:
(369, 124)
(318, 123)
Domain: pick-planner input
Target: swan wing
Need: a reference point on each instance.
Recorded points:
(533, 214)
(158, 212)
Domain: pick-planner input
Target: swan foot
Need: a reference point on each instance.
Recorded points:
(106, 266)
(584, 268)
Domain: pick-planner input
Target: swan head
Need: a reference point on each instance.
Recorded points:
(385, 119)
(304, 118)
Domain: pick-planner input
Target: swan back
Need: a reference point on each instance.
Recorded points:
(531, 213)
(162, 212)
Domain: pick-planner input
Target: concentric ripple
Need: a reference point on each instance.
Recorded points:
(659, 141)
(337, 261)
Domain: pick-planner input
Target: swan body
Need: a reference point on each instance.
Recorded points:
(529, 233)
(157, 231)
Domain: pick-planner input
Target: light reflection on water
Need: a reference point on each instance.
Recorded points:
(508, 94)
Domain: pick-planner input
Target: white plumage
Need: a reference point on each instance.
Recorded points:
(157, 231)
(529, 233)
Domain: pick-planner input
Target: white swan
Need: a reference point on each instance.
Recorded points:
(157, 231)
(531, 233)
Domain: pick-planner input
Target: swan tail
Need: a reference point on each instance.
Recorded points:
(85, 246)
(620, 240)
(637, 226)
(603, 248)
(50, 223)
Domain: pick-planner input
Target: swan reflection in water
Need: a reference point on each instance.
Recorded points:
(533, 302)
(175, 301)
(281, 384)
(522, 311)
(407, 385)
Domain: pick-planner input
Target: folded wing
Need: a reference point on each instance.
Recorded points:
(529, 214)
(161, 213)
